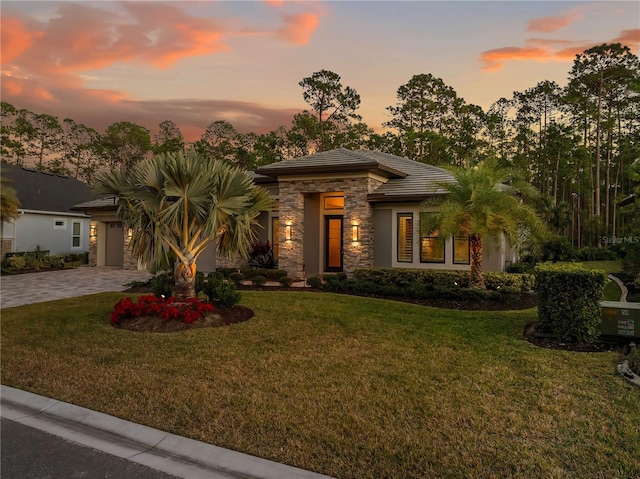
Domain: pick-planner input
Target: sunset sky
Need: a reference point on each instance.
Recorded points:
(196, 62)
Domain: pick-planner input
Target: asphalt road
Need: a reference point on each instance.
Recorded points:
(28, 453)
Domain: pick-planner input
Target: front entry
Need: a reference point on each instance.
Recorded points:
(333, 243)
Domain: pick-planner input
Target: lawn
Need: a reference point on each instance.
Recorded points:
(347, 386)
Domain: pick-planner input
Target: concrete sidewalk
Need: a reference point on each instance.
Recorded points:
(159, 450)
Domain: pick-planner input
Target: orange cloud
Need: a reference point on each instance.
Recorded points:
(299, 28)
(15, 38)
(554, 23)
(494, 59)
(275, 3)
(543, 50)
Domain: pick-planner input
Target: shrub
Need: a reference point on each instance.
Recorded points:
(276, 274)
(37, 258)
(315, 282)
(286, 281)
(162, 284)
(187, 311)
(17, 262)
(261, 256)
(258, 280)
(568, 296)
(211, 284)
(227, 294)
(591, 253)
(55, 261)
(227, 271)
(236, 277)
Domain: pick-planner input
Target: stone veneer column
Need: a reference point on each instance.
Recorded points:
(6, 247)
(291, 213)
(93, 247)
(358, 211)
(130, 262)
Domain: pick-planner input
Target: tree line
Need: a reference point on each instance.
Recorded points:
(576, 144)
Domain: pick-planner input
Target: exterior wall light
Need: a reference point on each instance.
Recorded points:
(287, 232)
(130, 233)
(355, 233)
(92, 230)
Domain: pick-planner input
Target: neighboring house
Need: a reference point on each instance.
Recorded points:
(340, 210)
(45, 216)
(336, 211)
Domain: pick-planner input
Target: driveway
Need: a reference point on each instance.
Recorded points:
(19, 289)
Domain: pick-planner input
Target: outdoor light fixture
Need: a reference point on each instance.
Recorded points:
(130, 233)
(92, 230)
(287, 232)
(355, 232)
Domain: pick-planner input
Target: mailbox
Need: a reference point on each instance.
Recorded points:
(620, 319)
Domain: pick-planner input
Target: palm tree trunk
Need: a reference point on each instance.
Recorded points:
(185, 277)
(476, 280)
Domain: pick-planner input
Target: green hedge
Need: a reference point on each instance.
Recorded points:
(568, 296)
(401, 279)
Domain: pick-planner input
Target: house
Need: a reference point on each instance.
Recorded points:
(335, 211)
(109, 237)
(45, 216)
(341, 210)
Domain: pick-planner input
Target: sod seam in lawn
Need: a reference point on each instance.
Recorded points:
(347, 386)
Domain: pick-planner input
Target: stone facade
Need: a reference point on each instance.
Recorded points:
(357, 211)
(129, 261)
(6, 246)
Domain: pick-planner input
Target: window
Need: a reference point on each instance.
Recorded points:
(275, 236)
(334, 202)
(431, 248)
(405, 237)
(461, 250)
(59, 224)
(76, 234)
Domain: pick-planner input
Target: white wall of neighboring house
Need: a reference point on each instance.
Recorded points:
(59, 233)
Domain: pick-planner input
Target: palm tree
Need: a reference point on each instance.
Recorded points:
(484, 201)
(179, 204)
(9, 202)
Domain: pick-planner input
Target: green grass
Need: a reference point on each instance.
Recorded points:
(347, 386)
(610, 267)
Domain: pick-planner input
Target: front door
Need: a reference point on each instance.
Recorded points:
(333, 243)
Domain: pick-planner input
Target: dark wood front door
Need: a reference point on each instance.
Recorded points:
(333, 243)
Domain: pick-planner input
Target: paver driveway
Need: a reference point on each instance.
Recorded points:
(29, 288)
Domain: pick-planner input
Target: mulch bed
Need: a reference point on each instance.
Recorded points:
(220, 317)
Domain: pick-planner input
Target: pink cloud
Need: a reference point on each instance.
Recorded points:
(494, 59)
(299, 28)
(16, 38)
(630, 38)
(554, 23)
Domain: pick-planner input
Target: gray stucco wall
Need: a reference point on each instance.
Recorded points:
(33, 229)
(383, 245)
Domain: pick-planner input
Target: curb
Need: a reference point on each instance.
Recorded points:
(160, 450)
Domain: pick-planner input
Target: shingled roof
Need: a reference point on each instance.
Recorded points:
(408, 180)
(40, 191)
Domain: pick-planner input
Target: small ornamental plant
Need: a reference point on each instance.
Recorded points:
(187, 310)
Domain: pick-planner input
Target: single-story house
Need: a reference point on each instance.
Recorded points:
(45, 216)
(334, 211)
(341, 210)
